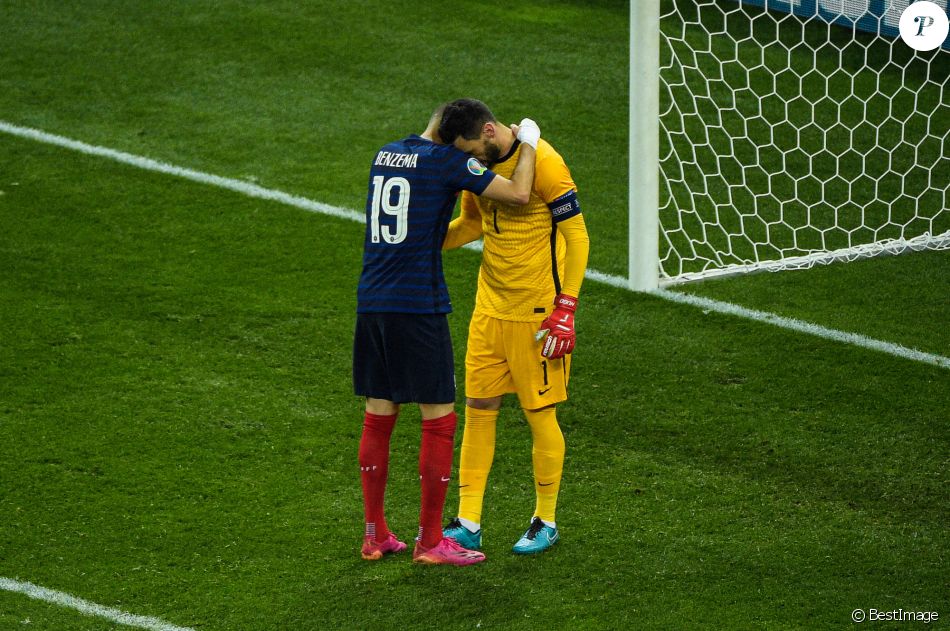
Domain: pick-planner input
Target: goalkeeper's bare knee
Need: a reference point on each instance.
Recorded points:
(491, 403)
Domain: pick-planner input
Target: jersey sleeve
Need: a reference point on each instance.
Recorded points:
(554, 184)
(463, 172)
(467, 226)
(552, 179)
(574, 232)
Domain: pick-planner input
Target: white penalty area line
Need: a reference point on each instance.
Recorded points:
(85, 607)
(253, 190)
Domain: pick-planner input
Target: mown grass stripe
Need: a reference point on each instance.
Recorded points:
(801, 326)
(238, 186)
(260, 192)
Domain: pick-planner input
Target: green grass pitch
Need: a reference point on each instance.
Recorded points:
(178, 434)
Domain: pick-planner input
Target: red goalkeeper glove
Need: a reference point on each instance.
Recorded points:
(557, 330)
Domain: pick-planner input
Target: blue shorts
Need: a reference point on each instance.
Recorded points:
(404, 358)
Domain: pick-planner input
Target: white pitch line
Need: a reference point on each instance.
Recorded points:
(252, 190)
(801, 326)
(85, 607)
(238, 186)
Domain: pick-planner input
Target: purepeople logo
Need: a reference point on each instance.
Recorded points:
(924, 25)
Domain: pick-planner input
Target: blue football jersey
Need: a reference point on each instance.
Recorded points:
(413, 185)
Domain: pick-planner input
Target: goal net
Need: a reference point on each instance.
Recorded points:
(794, 133)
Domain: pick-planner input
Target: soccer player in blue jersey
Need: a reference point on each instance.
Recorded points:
(402, 349)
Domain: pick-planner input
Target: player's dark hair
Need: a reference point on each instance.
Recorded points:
(465, 118)
(436, 117)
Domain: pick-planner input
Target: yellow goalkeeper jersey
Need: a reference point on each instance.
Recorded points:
(523, 256)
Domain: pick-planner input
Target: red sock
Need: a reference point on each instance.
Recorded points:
(435, 469)
(374, 469)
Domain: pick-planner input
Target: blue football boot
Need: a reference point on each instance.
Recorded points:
(538, 538)
(462, 535)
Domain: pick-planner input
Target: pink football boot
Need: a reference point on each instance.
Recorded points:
(374, 550)
(446, 552)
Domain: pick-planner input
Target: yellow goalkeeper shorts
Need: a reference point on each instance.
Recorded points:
(503, 357)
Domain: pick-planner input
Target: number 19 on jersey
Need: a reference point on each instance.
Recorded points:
(383, 190)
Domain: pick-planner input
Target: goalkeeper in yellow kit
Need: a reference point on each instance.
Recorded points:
(522, 330)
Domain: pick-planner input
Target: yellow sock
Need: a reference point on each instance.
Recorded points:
(478, 450)
(547, 455)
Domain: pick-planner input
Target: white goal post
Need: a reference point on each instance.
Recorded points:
(780, 134)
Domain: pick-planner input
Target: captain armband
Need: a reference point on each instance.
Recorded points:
(565, 207)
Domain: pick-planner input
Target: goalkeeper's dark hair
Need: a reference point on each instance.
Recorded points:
(465, 118)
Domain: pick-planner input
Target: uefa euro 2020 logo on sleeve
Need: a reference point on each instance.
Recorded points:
(924, 25)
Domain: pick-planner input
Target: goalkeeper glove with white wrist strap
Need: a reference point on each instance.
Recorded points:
(557, 330)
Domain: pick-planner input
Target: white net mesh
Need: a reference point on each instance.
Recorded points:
(788, 141)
